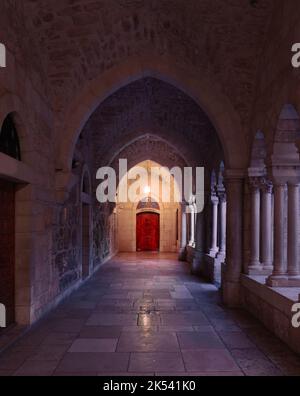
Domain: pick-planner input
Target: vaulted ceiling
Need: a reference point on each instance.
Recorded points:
(159, 120)
(77, 40)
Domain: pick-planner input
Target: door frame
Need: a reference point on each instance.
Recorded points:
(141, 212)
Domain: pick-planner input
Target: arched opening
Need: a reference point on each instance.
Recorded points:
(203, 89)
(149, 222)
(284, 174)
(9, 139)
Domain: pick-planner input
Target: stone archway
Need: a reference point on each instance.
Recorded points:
(201, 88)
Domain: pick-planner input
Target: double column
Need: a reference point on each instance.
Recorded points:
(286, 274)
(261, 226)
(222, 222)
(192, 210)
(218, 225)
(214, 226)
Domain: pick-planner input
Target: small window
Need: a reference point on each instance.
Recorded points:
(9, 141)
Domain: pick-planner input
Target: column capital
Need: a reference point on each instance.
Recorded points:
(255, 182)
(222, 196)
(279, 183)
(266, 185)
(292, 183)
(214, 199)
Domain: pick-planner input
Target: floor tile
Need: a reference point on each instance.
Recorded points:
(145, 314)
(209, 360)
(91, 362)
(36, 368)
(199, 340)
(94, 345)
(141, 342)
(157, 361)
(100, 332)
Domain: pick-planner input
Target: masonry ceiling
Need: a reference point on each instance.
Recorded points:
(78, 40)
(152, 107)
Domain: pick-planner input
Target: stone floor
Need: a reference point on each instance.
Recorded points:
(144, 314)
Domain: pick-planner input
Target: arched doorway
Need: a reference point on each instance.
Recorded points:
(147, 231)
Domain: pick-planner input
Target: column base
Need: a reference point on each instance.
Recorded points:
(213, 252)
(294, 281)
(268, 267)
(259, 270)
(254, 268)
(283, 281)
(221, 256)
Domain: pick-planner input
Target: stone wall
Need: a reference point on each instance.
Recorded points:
(272, 307)
(87, 38)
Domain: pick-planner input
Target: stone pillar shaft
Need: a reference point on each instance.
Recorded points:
(214, 231)
(266, 227)
(183, 239)
(223, 207)
(255, 228)
(279, 269)
(192, 236)
(293, 231)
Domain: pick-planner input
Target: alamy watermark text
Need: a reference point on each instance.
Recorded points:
(172, 185)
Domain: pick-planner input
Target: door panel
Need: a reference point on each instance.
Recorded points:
(7, 249)
(147, 231)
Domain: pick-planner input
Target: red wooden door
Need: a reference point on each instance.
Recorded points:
(147, 232)
(7, 249)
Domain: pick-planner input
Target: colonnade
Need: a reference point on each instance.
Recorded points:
(274, 230)
(278, 200)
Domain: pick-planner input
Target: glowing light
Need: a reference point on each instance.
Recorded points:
(147, 190)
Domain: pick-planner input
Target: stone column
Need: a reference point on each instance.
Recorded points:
(234, 230)
(254, 264)
(222, 211)
(266, 227)
(183, 241)
(199, 248)
(192, 237)
(279, 270)
(293, 232)
(214, 229)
